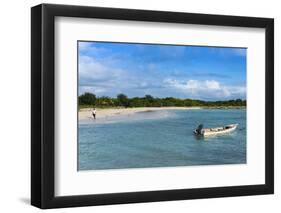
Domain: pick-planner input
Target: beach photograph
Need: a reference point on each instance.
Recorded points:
(160, 105)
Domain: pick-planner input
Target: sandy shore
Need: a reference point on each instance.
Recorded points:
(86, 114)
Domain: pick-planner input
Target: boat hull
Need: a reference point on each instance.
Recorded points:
(217, 131)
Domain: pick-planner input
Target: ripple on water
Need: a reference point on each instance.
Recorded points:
(161, 138)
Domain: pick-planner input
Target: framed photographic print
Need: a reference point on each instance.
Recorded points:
(139, 106)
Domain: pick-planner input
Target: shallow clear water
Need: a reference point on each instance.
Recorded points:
(161, 139)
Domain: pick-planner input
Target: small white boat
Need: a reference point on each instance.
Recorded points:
(200, 131)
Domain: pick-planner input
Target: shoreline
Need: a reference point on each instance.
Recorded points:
(86, 114)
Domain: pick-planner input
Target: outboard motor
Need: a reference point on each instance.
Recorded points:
(199, 129)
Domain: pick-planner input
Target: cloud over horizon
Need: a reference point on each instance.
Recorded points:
(206, 89)
(108, 69)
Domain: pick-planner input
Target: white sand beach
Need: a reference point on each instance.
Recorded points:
(86, 114)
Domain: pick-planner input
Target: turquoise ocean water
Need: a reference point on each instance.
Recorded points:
(161, 139)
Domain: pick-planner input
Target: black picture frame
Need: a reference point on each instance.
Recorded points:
(43, 110)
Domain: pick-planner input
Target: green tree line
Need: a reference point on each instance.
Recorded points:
(91, 100)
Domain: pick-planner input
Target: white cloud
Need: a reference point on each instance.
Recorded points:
(107, 79)
(97, 77)
(206, 89)
(93, 70)
(102, 77)
(96, 90)
(212, 85)
(84, 46)
(191, 84)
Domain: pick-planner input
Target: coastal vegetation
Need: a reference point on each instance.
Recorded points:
(91, 100)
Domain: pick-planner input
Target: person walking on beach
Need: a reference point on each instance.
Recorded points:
(94, 112)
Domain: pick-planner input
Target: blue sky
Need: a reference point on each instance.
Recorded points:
(206, 73)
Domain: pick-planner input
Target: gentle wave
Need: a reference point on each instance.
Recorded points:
(161, 138)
